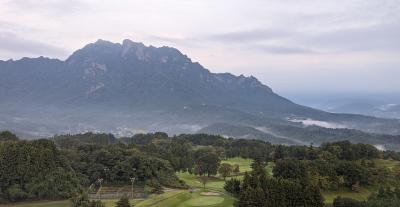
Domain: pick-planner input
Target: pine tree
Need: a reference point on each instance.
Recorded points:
(259, 197)
(258, 166)
(96, 204)
(279, 153)
(248, 198)
(233, 186)
(236, 169)
(8, 136)
(123, 202)
(225, 170)
(80, 199)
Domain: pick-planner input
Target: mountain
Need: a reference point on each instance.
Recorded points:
(385, 105)
(378, 108)
(128, 88)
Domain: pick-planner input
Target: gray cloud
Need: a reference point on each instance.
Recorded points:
(247, 36)
(278, 41)
(282, 49)
(252, 40)
(267, 38)
(48, 7)
(377, 37)
(381, 37)
(10, 42)
(5, 25)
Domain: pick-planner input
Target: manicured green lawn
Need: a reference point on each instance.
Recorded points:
(186, 199)
(217, 183)
(166, 199)
(391, 164)
(244, 164)
(205, 201)
(193, 181)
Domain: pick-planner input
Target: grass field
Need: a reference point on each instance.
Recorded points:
(187, 199)
(192, 180)
(244, 164)
(179, 198)
(391, 164)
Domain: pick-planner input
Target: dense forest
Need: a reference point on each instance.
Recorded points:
(66, 166)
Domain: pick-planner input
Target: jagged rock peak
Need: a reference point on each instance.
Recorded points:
(130, 43)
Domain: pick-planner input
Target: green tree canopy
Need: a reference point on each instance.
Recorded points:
(225, 170)
(123, 202)
(8, 136)
(206, 162)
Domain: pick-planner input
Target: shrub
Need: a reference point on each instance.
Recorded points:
(346, 202)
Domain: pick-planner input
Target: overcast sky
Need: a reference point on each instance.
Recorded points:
(307, 46)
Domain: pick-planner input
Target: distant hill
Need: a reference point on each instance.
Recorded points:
(130, 88)
(384, 105)
(300, 135)
(378, 109)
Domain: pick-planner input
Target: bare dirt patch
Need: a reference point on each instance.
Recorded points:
(210, 194)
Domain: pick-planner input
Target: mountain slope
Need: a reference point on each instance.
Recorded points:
(129, 87)
(135, 75)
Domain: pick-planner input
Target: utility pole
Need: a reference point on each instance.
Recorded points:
(134, 176)
(132, 181)
(100, 180)
(144, 188)
(106, 170)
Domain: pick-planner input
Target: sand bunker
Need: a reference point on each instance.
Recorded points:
(210, 194)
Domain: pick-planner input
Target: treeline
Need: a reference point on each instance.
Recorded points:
(116, 164)
(34, 170)
(258, 189)
(56, 169)
(69, 141)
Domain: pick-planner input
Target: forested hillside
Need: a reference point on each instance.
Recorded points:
(70, 166)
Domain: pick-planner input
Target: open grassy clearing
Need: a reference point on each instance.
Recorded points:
(244, 164)
(217, 183)
(187, 199)
(391, 164)
(204, 201)
(193, 181)
(165, 199)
